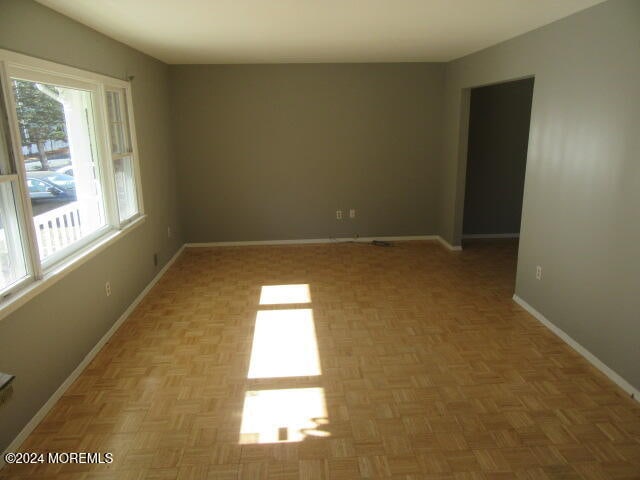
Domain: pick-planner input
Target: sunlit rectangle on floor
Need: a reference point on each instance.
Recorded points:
(283, 294)
(284, 345)
(288, 415)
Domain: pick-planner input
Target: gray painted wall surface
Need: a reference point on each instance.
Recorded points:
(43, 341)
(497, 157)
(251, 138)
(581, 211)
(272, 151)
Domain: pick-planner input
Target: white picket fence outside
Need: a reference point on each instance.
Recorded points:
(58, 228)
(55, 230)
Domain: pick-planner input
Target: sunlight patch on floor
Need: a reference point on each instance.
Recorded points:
(283, 294)
(284, 345)
(287, 415)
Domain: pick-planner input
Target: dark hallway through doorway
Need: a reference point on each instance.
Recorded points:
(497, 155)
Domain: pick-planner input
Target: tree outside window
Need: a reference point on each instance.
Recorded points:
(41, 118)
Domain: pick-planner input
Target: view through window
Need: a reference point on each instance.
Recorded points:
(12, 260)
(13, 265)
(69, 175)
(60, 156)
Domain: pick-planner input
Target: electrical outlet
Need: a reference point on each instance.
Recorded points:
(352, 213)
(538, 272)
(107, 289)
(338, 214)
(168, 232)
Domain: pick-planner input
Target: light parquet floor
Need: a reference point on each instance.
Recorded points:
(429, 369)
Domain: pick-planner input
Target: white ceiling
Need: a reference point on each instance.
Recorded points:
(307, 31)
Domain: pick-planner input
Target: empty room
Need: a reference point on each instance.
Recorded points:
(305, 239)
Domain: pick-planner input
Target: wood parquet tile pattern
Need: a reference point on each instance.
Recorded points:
(429, 369)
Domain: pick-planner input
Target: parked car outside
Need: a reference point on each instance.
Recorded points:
(48, 186)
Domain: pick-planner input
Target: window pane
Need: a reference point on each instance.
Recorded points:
(117, 126)
(12, 261)
(125, 187)
(122, 163)
(113, 108)
(59, 149)
(6, 156)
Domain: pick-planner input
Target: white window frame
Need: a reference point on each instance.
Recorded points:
(40, 274)
(26, 249)
(126, 109)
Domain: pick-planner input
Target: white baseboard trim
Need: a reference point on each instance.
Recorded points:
(306, 241)
(258, 242)
(595, 361)
(490, 235)
(448, 246)
(39, 416)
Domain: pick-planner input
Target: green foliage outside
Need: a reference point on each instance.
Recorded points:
(41, 118)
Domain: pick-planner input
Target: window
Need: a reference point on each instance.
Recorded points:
(121, 155)
(68, 165)
(13, 261)
(57, 131)
(13, 267)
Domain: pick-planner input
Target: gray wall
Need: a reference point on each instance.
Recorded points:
(272, 151)
(43, 341)
(581, 211)
(497, 157)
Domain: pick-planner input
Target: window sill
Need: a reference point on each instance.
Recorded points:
(61, 270)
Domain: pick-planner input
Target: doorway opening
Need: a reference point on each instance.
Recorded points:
(499, 120)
